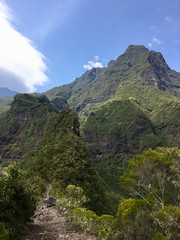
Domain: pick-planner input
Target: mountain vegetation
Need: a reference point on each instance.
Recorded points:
(119, 121)
(6, 97)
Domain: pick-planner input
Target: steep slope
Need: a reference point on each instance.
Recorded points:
(5, 103)
(138, 77)
(22, 127)
(47, 142)
(137, 65)
(119, 126)
(78, 93)
(6, 97)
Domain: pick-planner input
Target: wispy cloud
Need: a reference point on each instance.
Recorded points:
(56, 15)
(155, 41)
(93, 64)
(22, 66)
(168, 19)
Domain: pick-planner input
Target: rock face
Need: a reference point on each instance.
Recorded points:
(60, 103)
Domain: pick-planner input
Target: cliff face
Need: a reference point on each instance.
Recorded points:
(22, 127)
(119, 127)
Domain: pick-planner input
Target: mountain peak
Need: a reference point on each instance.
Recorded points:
(133, 49)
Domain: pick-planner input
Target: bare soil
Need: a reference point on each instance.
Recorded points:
(50, 224)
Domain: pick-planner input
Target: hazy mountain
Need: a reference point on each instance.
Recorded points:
(5, 92)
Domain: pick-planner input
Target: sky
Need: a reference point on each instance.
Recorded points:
(48, 43)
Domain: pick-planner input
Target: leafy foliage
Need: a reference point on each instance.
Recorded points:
(4, 235)
(17, 201)
(153, 182)
(72, 203)
(119, 126)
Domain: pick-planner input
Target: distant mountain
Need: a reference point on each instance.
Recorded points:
(5, 92)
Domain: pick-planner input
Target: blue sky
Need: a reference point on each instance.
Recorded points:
(64, 38)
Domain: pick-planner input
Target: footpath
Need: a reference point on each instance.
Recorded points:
(50, 224)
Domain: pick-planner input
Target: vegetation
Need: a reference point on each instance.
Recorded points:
(151, 211)
(5, 104)
(111, 128)
(64, 158)
(22, 127)
(18, 197)
(124, 109)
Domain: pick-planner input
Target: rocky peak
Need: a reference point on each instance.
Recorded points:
(159, 74)
(133, 56)
(136, 49)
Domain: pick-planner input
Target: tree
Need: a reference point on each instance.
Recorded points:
(154, 176)
(152, 182)
(133, 220)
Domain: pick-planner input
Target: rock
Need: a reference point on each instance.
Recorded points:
(50, 201)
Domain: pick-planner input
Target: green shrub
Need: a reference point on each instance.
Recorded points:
(17, 200)
(4, 235)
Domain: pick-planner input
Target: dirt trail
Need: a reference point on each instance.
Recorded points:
(49, 224)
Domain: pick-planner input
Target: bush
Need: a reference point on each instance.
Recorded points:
(72, 201)
(17, 200)
(4, 234)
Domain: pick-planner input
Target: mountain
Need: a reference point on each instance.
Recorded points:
(27, 116)
(5, 92)
(85, 132)
(137, 65)
(125, 108)
(129, 106)
(47, 141)
(6, 98)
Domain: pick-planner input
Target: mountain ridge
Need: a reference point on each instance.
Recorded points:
(137, 64)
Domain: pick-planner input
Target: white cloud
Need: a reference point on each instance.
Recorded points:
(22, 66)
(155, 41)
(93, 64)
(150, 45)
(96, 58)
